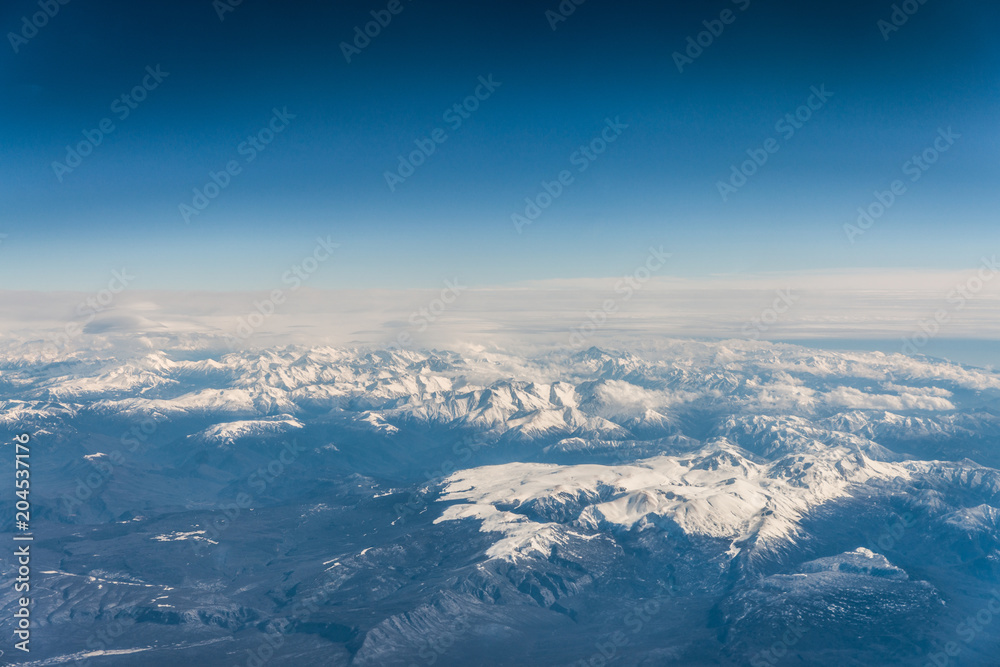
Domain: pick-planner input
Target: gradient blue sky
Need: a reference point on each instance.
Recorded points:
(655, 185)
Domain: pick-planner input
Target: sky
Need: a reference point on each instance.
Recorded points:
(556, 83)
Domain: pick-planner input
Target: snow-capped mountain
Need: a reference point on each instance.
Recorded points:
(697, 503)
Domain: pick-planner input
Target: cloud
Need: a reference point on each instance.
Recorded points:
(849, 397)
(827, 306)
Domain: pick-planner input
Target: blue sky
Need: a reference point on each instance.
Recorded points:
(325, 173)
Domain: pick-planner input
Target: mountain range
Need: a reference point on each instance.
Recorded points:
(688, 503)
